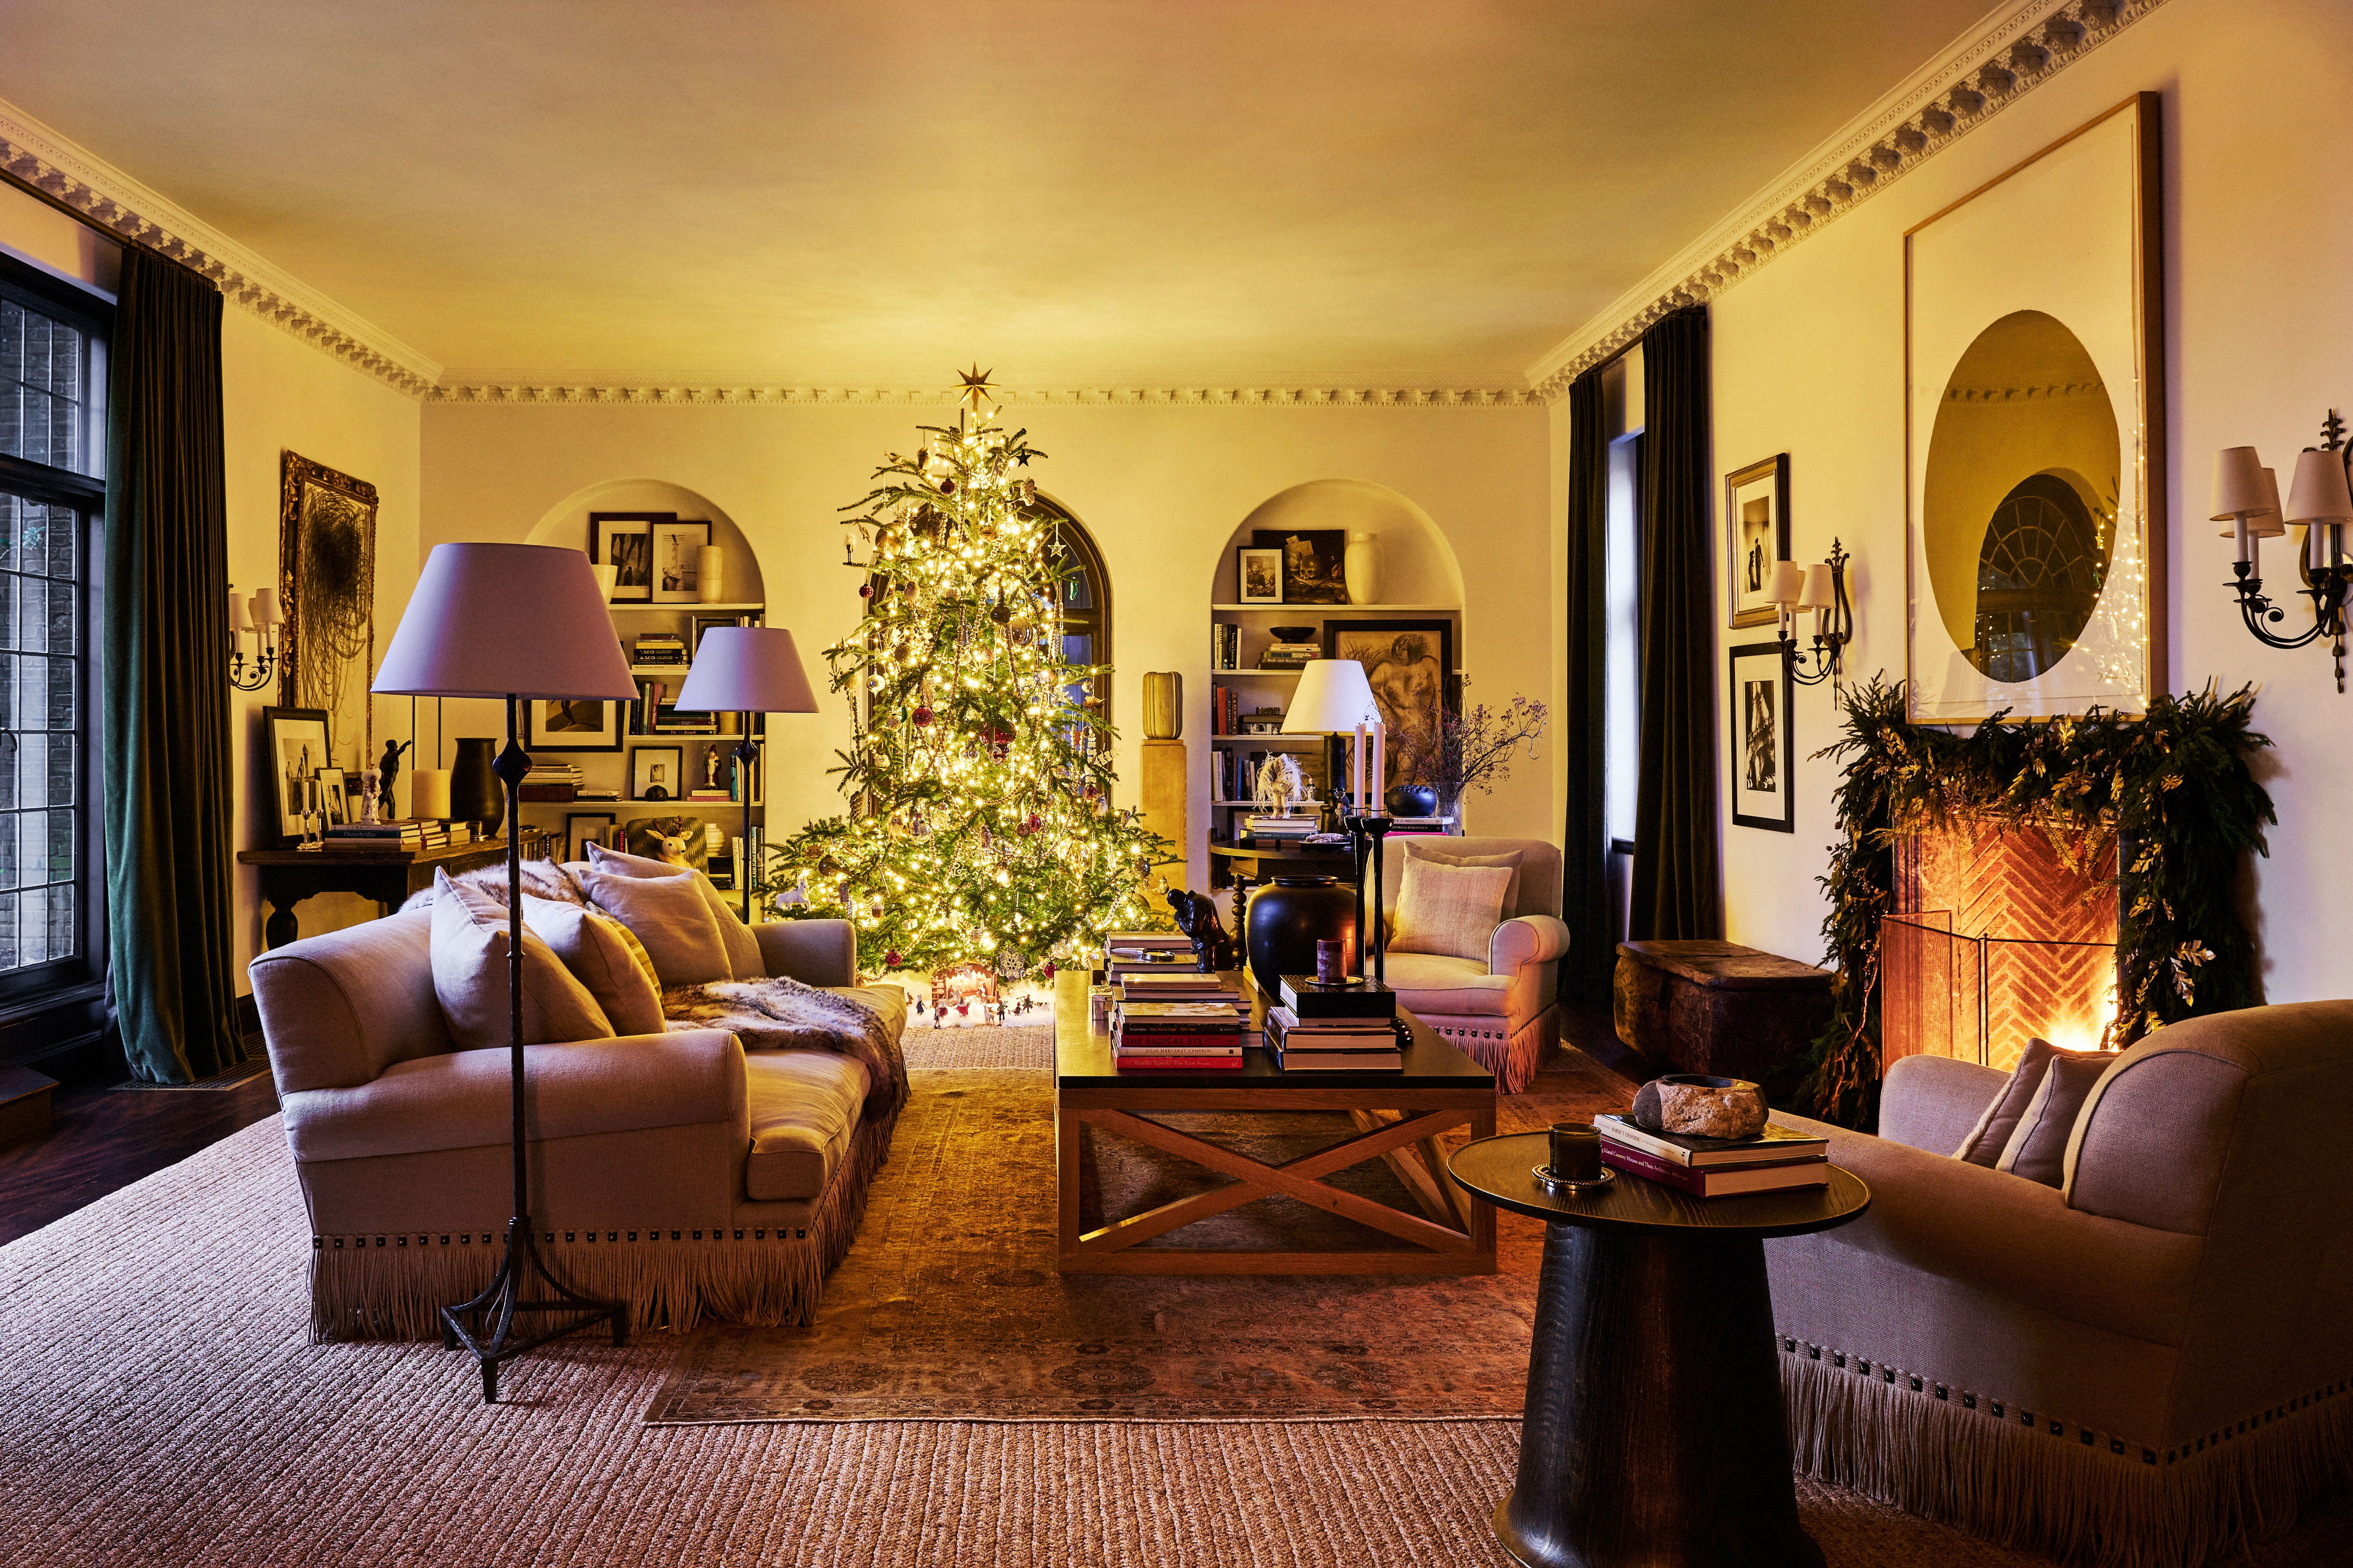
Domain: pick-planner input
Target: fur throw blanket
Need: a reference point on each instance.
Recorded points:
(541, 879)
(780, 1015)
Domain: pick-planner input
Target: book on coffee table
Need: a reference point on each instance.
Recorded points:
(1718, 1181)
(1775, 1144)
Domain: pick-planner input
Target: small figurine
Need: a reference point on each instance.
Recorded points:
(1196, 917)
(712, 758)
(388, 766)
(370, 783)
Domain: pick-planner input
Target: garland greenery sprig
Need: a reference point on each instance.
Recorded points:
(2170, 789)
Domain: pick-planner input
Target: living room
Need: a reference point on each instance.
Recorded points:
(1293, 782)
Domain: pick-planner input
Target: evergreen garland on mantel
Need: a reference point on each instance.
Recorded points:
(2171, 788)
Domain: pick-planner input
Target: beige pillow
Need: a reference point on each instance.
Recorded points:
(1991, 1136)
(1418, 849)
(604, 956)
(744, 960)
(668, 916)
(1449, 910)
(469, 976)
(2038, 1148)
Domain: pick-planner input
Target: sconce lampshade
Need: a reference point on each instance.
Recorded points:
(2238, 485)
(747, 670)
(2320, 493)
(1816, 595)
(1332, 699)
(505, 620)
(1789, 582)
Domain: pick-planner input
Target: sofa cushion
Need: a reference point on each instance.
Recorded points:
(668, 916)
(1418, 848)
(1452, 911)
(603, 956)
(743, 961)
(469, 976)
(1991, 1136)
(804, 1106)
(2038, 1148)
(1432, 983)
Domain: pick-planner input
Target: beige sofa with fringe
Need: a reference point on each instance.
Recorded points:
(2135, 1368)
(669, 1171)
(1500, 1011)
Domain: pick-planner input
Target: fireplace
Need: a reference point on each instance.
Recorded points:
(1994, 939)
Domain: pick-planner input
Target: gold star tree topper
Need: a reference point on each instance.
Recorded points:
(977, 388)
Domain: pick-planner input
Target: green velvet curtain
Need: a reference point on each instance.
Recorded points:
(1677, 882)
(1585, 855)
(164, 698)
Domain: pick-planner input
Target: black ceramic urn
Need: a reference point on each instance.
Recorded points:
(1287, 917)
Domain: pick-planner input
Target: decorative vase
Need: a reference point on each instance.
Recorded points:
(608, 577)
(710, 573)
(1286, 918)
(1163, 705)
(1411, 800)
(1363, 568)
(475, 794)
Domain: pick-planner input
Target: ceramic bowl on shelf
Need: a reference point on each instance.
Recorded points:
(1293, 634)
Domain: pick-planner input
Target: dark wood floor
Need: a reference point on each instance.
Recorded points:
(101, 1139)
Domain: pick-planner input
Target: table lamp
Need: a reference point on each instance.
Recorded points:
(748, 670)
(1333, 698)
(519, 623)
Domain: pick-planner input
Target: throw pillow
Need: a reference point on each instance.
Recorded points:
(744, 960)
(2038, 1149)
(469, 976)
(668, 916)
(605, 957)
(1991, 1136)
(1414, 850)
(1449, 910)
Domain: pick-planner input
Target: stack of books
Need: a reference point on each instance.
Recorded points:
(1146, 952)
(1176, 1023)
(550, 781)
(1402, 825)
(1256, 826)
(1290, 655)
(375, 838)
(1174, 986)
(1225, 646)
(1775, 1160)
(657, 648)
(1314, 1027)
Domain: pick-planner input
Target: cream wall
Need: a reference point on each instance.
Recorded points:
(1161, 488)
(1809, 359)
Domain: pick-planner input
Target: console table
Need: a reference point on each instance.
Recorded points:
(289, 876)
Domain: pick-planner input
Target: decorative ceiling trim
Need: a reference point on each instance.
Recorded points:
(1172, 396)
(82, 183)
(1936, 106)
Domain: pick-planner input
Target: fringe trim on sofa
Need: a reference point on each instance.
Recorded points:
(2024, 1479)
(394, 1286)
(1512, 1057)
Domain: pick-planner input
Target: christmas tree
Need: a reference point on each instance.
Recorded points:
(980, 823)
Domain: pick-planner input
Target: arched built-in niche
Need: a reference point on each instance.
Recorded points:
(566, 524)
(1417, 563)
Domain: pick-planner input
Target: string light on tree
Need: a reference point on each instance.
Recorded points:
(978, 780)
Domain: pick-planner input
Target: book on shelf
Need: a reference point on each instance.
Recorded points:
(546, 792)
(1290, 655)
(1716, 1181)
(1307, 999)
(1775, 1144)
(1225, 647)
(585, 794)
(711, 794)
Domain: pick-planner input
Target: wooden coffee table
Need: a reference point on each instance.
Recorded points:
(1398, 1118)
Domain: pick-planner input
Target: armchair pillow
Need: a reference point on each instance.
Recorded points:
(668, 916)
(1417, 851)
(1991, 1136)
(2038, 1148)
(469, 976)
(743, 961)
(604, 956)
(1452, 911)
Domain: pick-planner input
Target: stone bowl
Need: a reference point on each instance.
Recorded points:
(1695, 1105)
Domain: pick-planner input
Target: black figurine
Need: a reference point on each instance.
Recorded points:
(388, 769)
(1196, 917)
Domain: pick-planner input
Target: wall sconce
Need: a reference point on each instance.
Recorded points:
(260, 617)
(2319, 500)
(1820, 588)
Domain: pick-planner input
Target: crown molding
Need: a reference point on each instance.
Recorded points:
(1172, 396)
(2015, 50)
(83, 183)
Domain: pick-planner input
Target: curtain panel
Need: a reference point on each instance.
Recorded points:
(163, 697)
(1587, 967)
(1677, 878)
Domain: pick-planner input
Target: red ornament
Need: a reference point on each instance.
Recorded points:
(1034, 824)
(866, 590)
(923, 715)
(1050, 975)
(892, 959)
(948, 487)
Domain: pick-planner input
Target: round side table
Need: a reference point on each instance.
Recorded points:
(1654, 1432)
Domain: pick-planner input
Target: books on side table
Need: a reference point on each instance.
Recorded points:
(1144, 952)
(1153, 1031)
(1777, 1160)
(1315, 1027)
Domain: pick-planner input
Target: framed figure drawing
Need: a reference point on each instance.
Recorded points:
(296, 740)
(1410, 666)
(1757, 534)
(1315, 563)
(1763, 736)
(625, 540)
(2035, 435)
(588, 724)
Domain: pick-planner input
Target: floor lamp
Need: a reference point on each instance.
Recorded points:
(514, 623)
(747, 671)
(1332, 697)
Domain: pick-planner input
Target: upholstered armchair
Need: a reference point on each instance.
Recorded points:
(1499, 1009)
(2135, 1366)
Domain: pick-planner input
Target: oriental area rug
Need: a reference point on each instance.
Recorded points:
(949, 1308)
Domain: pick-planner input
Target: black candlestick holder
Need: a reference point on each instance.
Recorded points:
(1365, 832)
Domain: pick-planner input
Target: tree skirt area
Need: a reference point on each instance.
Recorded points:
(159, 1405)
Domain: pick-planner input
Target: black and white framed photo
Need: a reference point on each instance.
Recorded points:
(1315, 563)
(583, 724)
(1258, 574)
(297, 742)
(677, 552)
(335, 797)
(624, 541)
(1757, 534)
(1764, 761)
(656, 772)
(582, 828)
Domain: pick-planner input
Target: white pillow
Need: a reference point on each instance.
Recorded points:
(1449, 910)
(603, 956)
(744, 960)
(667, 914)
(469, 976)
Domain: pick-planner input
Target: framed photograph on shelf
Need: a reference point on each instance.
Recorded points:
(625, 540)
(335, 798)
(296, 739)
(2034, 435)
(585, 724)
(1410, 666)
(678, 549)
(582, 828)
(1315, 563)
(1258, 574)
(1757, 534)
(656, 772)
(703, 623)
(1764, 734)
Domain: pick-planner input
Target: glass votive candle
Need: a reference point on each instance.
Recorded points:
(1331, 961)
(1576, 1152)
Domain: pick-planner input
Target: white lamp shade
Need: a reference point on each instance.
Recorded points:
(505, 620)
(1332, 697)
(747, 670)
(2320, 493)
(2238, 484)
(1789, 582)
(2266, 523)
(1817, 594)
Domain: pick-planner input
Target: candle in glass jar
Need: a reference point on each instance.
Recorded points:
(1576, 1152)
